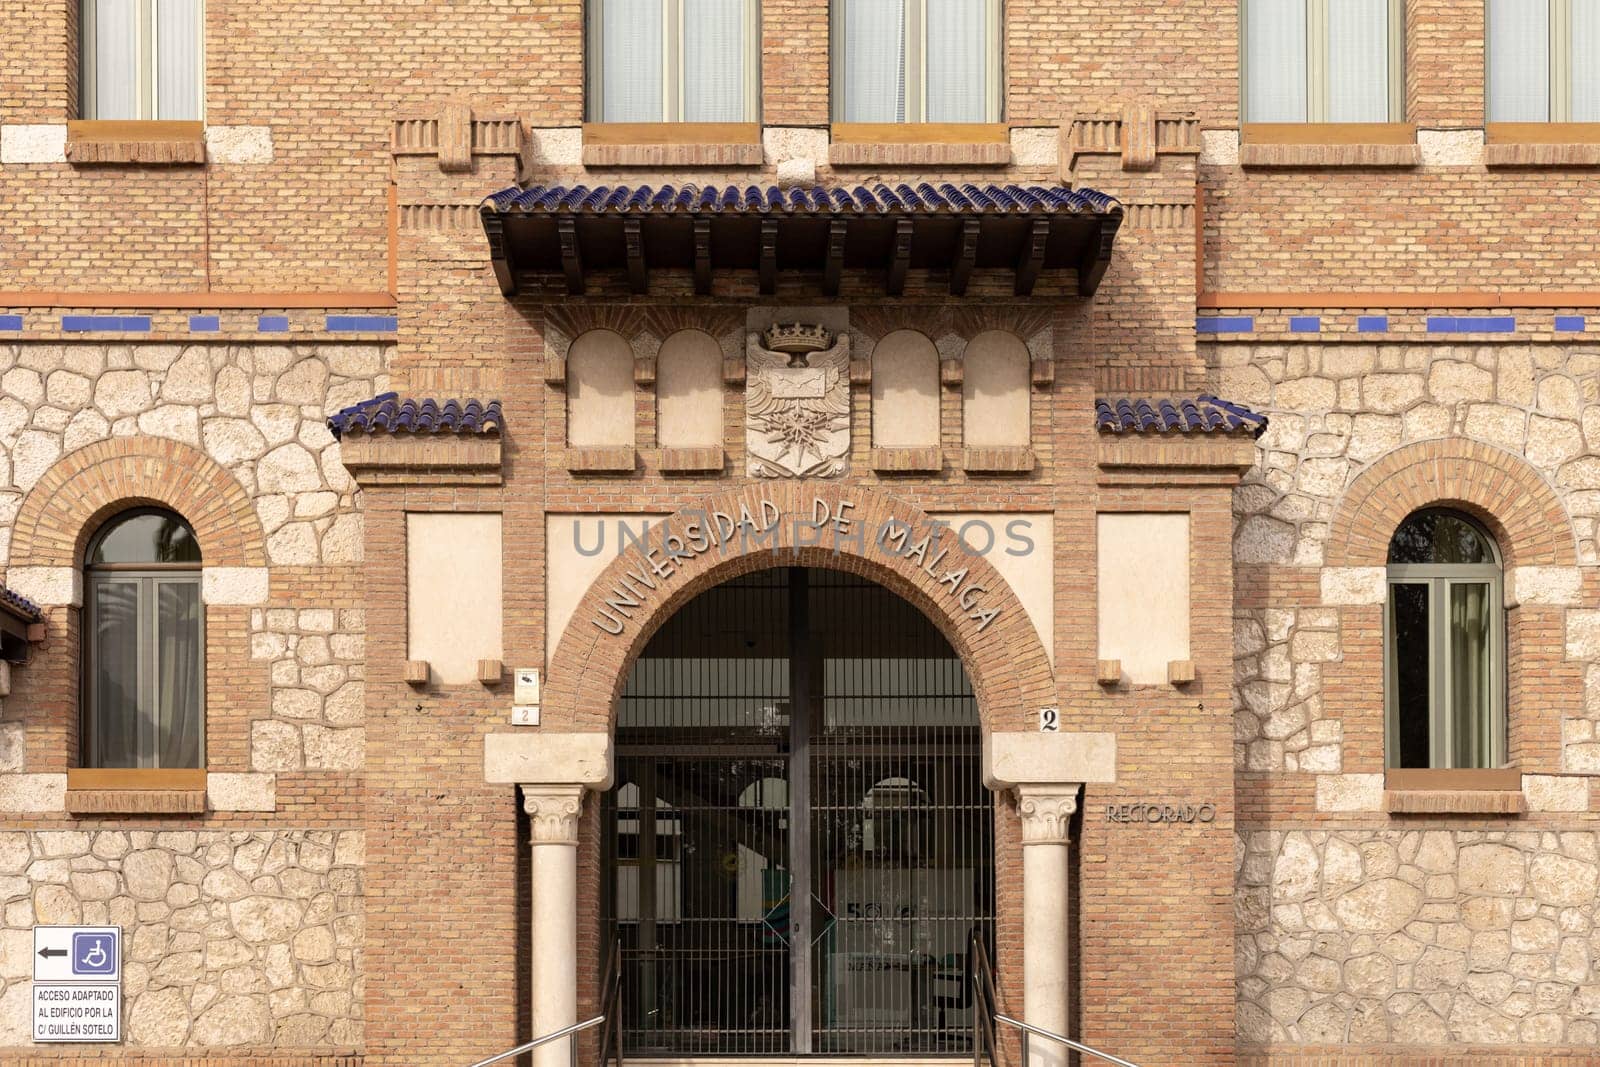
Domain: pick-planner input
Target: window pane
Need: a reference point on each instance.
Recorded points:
(1519, 60)
(1358, 61)
(1585, 61)
(874, 61)
(714, 60)
(1275, 61)
(1439, 536)
(178, 652)
(1471, 676)
(178, 59)
(630, 61)
(1408, 634)
(115, 60)
(114, 656)
(147, 537)
(957, 82)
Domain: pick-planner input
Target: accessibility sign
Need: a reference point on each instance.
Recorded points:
(77, 1011)
(77, 954)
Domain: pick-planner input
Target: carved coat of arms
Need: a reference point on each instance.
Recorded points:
(797, 402)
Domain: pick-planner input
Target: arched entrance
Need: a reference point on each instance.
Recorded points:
(799, 846)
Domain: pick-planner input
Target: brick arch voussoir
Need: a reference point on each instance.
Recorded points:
(86, 487)
(1005, 661)
(1518, 506)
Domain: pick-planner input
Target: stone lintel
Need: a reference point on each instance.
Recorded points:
(1021, 759)
(535, 758)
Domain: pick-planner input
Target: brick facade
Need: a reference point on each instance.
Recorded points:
(1411, 318)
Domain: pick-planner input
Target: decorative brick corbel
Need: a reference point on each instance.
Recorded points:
(455, 136)
(1139, 136)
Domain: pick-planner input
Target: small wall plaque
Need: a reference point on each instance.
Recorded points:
(525, 715)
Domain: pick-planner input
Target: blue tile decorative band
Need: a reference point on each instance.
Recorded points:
(10, 322)
(1570, 323)
(204, 323)
(1224, 324)
(127, 323)
(363, 323)
(1471, 323)
(1305, 323)
(1372, 323)
(272, 324)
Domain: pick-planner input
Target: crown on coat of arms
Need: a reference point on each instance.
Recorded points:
(796, 338)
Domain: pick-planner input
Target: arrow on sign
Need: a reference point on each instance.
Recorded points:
(46, 953)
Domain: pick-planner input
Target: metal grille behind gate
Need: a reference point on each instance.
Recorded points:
(809, 728)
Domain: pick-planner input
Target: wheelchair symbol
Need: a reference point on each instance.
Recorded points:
(93, 954)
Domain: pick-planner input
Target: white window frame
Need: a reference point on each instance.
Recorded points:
(148, 61)
(1558, 107)
(1438, 578)
(915, 14)
(1317, 60)
(672, 38)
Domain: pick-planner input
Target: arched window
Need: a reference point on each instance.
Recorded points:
(1444, 644)
(144, 643)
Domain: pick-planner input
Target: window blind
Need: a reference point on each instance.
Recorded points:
(1519, 60)
(874, 61)
(631, 51)
(957, 50)
(178, 59)
(115, 60)
(1358, 61)
(1585, 65)
(1275, 61)
(714, 68)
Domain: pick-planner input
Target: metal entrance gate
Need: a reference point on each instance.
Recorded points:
(798, 728)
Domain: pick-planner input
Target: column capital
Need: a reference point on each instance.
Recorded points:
(553, 812)
(1047, 812)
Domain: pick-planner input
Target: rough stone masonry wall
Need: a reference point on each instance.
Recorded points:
(233, 938)
(1336, 409)
(258, 410)
(247, 938)
(1354, 929)
(1433, 937)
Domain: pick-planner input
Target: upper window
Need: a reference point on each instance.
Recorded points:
(141, 59)
(1323, 60)
(674, 60)
(916, 60)
(1541, 61)
(1444, 645)
(144, 644)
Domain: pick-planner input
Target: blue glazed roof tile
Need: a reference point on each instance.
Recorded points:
(388, 413)
(1197, 414)
(924, 197)
(19, 606)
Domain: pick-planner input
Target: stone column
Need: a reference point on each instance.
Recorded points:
(553, 815)
(1046, 771)
(554, 770)
(1046, 812)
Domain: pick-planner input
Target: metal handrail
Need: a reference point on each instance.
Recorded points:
(983, 1002)
(611, 1006)
(556, 1035)
(1028, 1030)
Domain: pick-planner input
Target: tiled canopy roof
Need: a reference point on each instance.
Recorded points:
(19, 607)
(1199, 414)
(880, 199)
(814, 232)
(388, 413)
